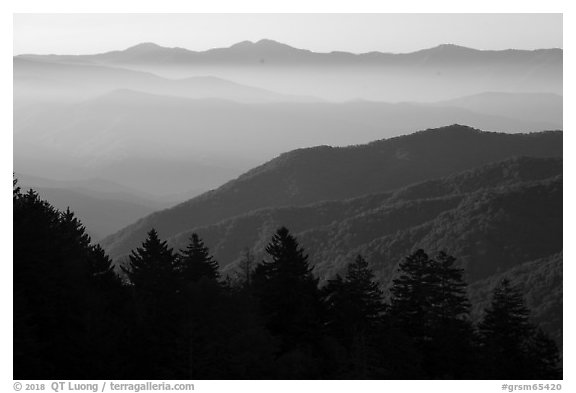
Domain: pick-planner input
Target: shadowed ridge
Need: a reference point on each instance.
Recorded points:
(225, 235)
(323, 173)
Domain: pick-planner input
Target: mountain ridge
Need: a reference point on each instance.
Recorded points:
(432, 74)
(305, 176)
(269, 43)
(102, 78)
(444, 193)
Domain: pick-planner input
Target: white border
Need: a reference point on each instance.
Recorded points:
(306, 6)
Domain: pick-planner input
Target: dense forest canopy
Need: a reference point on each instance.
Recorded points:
(174, 317)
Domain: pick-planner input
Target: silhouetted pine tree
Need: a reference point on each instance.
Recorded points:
(153, 273)
(109, 319)
(365, 291)
(74, 318)
(515, 349)
(195, 262)
(412, 292)
(451, 297)
(429, 302)
(152, 267)
(43, 284)
(58, 300)
(218, 325)
(102, 268)
(356, 302)
(290, 301)
(452, 347)
(355, 306)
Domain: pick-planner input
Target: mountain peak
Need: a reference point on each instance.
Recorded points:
(268, 42)
(451, 48)
(264, 43)
(325, 173)
(144, 46)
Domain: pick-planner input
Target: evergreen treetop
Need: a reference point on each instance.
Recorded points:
(514, 347)
(152, 266)
(196, 262)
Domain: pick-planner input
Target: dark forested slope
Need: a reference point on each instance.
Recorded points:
(324, 173)
(501, 205)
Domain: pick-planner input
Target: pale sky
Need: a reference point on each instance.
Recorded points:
(95, 33)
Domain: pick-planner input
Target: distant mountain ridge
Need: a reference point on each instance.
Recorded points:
(126, 123)
(440, 73)
(541, 107)
(55, 79)
(306, 176)
(173, 122)
(246, 50)
(103, 207)
(100, 215)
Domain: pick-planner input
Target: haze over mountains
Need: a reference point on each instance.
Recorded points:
(443, 72)
(37, 80)
(375, 154)
(492, 199)
(127, 124)
(171, 123)
(104, 207)
(324, 173)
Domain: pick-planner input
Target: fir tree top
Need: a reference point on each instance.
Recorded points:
(196, 262)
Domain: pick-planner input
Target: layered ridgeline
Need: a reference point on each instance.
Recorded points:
(100, 215)
(103, 207)
(53, 81)
(323, 173)
(493, 217)
(136, 115)
(502, 220)
(442, 72)
(115, 129)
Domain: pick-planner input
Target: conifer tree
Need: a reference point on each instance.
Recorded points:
(451, 297)
(514, 347)
(506, 321)
(429, 293)
(102, 268)
(153, 273)
(452, 347)
(64, 322)
(429, 302)
(364, 290)
(152, 267)
(288, 260)
(288, 292)
(356, 302)
(411, 291)
(355, 305)
(196, 262)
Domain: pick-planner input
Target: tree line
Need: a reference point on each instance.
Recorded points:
(170, 315)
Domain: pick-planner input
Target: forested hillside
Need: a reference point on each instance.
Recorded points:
(176, 318)
(312, 175)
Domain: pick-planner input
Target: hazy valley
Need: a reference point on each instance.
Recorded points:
(373, 154)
